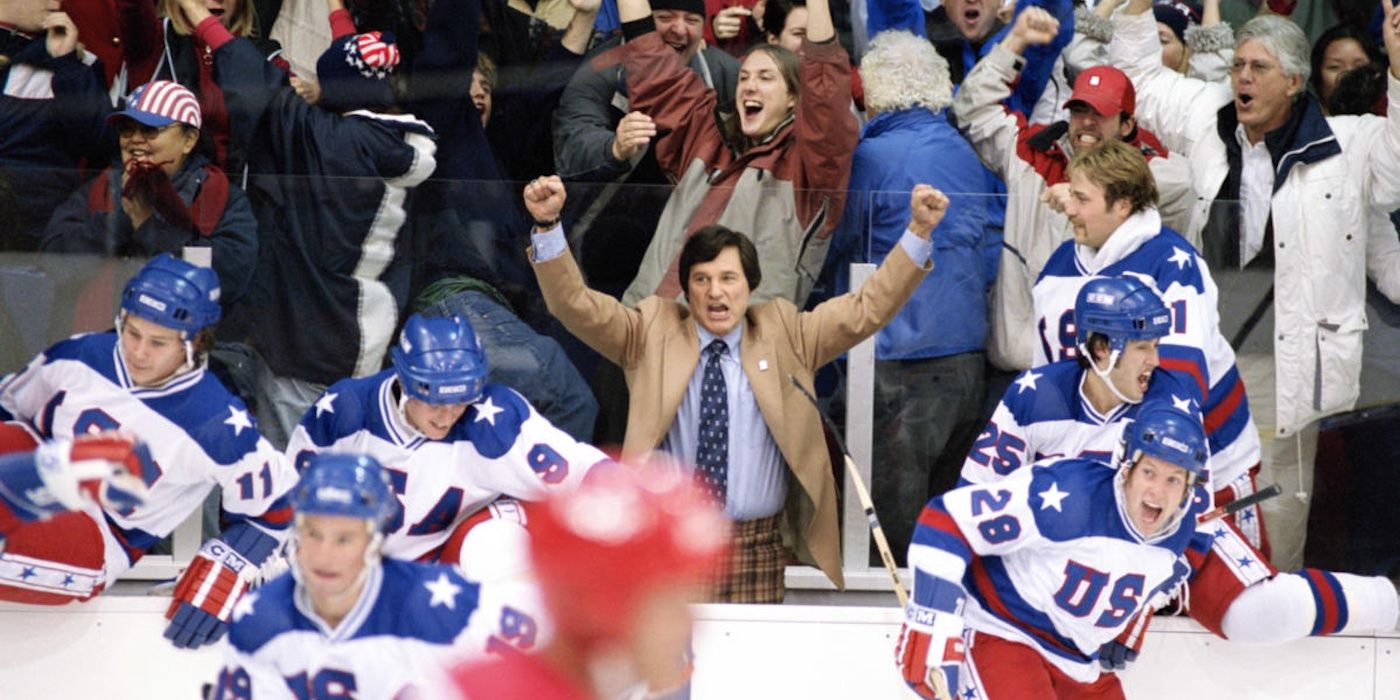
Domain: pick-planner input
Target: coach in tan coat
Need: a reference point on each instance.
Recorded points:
(778, 483)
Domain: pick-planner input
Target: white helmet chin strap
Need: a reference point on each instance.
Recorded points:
(1113, 356)
(403, 407)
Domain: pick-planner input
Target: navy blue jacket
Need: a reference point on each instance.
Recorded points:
(52, 116)
(329, 192)
(76, 227)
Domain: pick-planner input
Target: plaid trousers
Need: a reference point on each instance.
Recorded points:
(756, 565)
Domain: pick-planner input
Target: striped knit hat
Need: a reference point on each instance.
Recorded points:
(161, 103)
(354, 72)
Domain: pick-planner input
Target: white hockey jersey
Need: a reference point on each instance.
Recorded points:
(500, 446)
(411, 618)
(1049, 558)
(199, 435)
(1044, 414)
(1163, 260)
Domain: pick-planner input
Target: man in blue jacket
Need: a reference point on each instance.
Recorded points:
(929, 380)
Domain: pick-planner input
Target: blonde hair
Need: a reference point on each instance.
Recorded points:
(244, 21)
(1121, 170)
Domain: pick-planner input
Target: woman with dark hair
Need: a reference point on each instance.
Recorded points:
(775, 170)
(1341, 49)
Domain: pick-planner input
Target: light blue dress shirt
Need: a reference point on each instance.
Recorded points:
(758, 477)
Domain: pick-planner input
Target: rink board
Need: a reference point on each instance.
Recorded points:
(112, 648)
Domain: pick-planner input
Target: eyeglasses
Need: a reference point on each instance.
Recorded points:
(1255, 67)
(128, 128)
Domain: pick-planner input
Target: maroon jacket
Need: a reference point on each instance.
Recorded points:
(785, 193)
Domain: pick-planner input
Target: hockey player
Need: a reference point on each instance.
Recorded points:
(450, 442)
(650, 542)
(1030, 157)
(347, 622)
(1018, 583)
(148, 379)
(1118, 231)
(1078, 409)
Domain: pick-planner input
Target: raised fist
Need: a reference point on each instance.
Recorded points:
(927, 207)
(544, 198)
(1034, 27)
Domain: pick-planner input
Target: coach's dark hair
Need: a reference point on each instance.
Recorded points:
(706, 245)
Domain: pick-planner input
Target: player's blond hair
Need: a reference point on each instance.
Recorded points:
(1121, 170)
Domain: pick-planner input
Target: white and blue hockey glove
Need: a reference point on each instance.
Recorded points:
(218, 576)
(109, 470)
(930, 650)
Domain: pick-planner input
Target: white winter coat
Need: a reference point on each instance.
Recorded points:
(1321, 219)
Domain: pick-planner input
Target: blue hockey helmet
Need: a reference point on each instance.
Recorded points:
(348, 485)
(175, 294)
(1168, 433)
(1121, 308)
(439, 360)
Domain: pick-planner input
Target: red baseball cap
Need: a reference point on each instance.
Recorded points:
(1105, 89)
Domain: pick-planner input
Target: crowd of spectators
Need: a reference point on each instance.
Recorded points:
(375, 167)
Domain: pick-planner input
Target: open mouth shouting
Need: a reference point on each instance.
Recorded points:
(1244, 101)
(717, 313)
(969, 17)
(751, 115)
(1150, 516)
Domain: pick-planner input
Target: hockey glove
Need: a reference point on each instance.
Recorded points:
(113, 470)
(930, 650)
(218, 576)
(62, 476)
(1123, 650)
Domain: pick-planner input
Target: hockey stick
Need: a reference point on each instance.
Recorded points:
(1240, 504)
(878, 532)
